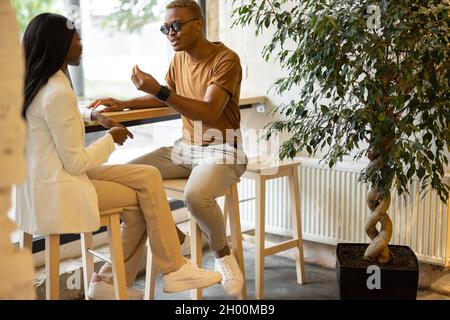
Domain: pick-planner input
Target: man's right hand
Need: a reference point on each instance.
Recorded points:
(111, 104)
(119, 134)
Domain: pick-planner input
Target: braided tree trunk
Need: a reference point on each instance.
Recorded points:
(378, 248)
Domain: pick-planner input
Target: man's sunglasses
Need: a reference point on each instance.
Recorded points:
(175, 26)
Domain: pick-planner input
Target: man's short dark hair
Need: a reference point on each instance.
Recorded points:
(189, 4)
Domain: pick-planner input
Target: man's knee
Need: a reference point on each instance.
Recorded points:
(153, 157)
(197, 199)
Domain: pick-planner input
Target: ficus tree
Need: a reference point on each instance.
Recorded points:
(373, 80)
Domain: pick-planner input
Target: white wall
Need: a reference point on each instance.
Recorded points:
(258, 74)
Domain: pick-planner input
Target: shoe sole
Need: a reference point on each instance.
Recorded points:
(189, 285)
(99, 295)
(108, 298)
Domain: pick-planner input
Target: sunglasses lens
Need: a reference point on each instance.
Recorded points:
(165, 29)
(176, 26)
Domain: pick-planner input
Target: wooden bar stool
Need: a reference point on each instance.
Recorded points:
(151, 272)
(260, 173)
(111, 220)
(51, 262)
(175, 190)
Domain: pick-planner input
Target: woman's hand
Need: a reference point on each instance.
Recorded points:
(108, 123)
(144, 81)
(111, 104)
(119, 134)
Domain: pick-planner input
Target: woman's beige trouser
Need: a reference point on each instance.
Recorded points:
(139, 186)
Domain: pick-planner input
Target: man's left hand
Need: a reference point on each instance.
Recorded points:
(144, 81)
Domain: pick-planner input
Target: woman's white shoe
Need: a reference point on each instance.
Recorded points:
(101, 290)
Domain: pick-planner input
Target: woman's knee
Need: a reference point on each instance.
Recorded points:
(150, 173)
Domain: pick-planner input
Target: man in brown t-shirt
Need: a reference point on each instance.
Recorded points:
(204, 81)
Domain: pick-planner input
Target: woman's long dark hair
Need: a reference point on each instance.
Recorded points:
(46, 43)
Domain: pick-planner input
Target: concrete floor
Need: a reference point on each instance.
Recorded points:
(280, 281)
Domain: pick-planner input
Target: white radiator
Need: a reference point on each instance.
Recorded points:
(334, 210)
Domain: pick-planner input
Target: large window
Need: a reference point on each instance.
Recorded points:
(110, 54)
(113, 43)
(116, 34)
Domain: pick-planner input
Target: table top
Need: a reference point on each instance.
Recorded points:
(150, 115)
(269, 165)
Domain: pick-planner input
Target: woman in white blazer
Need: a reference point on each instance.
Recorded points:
(66, 185)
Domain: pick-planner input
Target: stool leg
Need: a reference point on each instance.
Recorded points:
(196, 252)
(117, 260)
(52, 267)
(297, 223)
(87, 243)
(150, 275)
(260, 216)
(26, 241)
(225, 215)
(236, 237)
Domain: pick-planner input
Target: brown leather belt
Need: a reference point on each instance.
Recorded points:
(235, 145)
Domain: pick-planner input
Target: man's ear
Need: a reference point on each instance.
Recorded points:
(200, 24)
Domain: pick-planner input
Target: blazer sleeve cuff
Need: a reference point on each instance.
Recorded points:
(87, 114)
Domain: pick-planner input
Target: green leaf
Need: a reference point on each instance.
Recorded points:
(267, 22)
(243, 10)
(324, 109)
(420, 172)
(410, 172)
(427, 138)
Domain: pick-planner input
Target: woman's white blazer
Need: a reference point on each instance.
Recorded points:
(57, 196)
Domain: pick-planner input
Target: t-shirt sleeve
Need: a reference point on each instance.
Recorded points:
(227, 74)
(170, 76)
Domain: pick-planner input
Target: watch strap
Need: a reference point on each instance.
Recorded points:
(163, 94)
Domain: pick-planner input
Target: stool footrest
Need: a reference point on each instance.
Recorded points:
(280, 247)
(101, 256)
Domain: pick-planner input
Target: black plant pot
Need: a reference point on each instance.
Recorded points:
(360, 280)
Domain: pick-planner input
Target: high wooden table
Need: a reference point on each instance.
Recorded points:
(136, 117)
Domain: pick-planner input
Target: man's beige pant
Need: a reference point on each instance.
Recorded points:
(139, 186)
(211, 171)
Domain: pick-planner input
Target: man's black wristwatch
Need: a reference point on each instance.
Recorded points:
(163, 94)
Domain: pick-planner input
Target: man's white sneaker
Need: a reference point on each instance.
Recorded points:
(101, 290)
(186, 246)
(232, 278)
(189, 277)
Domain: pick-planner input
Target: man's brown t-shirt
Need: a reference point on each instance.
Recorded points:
(190, 79)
